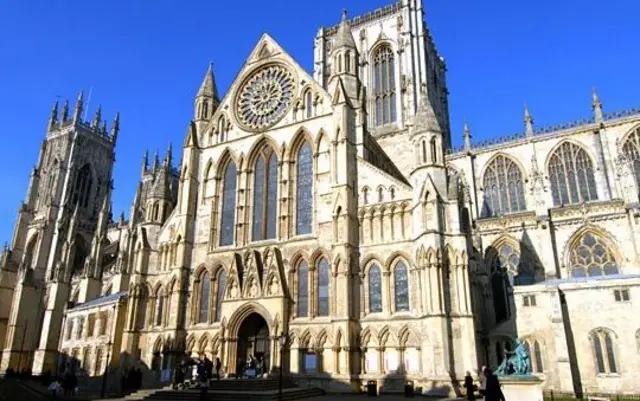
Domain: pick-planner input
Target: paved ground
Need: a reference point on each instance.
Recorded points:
(13, 390)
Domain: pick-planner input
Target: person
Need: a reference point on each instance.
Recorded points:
(493, 391)
(470, 387)
(54, 387)
(483, 380)
(218, 367)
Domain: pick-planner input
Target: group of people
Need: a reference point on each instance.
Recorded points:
(252, 367)
(68, 384)
(490, 386)
(131, 379)
(204, 369)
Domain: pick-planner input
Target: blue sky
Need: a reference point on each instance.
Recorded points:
(146, 59)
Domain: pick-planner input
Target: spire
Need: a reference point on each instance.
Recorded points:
(466, 135)
(54, 114)
(156, 161)
(425, 119)
(167, 157)
(104, 127)
(528, 122)
(65, 110)
(344, 37)
(208, 87)
(597, 107)
(133, 215)
(77, 112)
(115, 128)
(145, 162)
(97, 118)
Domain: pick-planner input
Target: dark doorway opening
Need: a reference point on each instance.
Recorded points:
(254, 341)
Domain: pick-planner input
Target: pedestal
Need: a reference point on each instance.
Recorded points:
(521, 388)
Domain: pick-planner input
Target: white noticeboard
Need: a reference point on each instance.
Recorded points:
(310, 362)
(372, 362)
(165, 375)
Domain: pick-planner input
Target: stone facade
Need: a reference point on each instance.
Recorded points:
(331, 211)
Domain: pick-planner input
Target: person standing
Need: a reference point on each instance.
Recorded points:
(218, 367)
(493, 391)
(470, 387)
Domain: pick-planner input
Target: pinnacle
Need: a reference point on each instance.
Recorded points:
(344, 37)
(425, 118)
(208, 87)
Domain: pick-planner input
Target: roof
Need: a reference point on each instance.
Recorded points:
(105, 300)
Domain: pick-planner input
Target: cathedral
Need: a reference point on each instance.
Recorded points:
(324, 223)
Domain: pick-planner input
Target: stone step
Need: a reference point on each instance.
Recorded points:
(288, 394)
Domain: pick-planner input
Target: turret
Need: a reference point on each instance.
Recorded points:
(207, 98)
(426, 135)
(344, 60)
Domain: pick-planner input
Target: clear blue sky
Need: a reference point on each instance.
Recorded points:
(146, 59)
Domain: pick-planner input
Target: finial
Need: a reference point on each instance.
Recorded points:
(467, 136)
(167, 157)
(115, 127)
(528, 122)
(104, 127)
(97, 118)
(54, 114)
(78, 110)
(122, 217)
(65, 110)
(596, 104)
(156, 160)
(344, 14)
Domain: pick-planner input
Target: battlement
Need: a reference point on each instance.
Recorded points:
(548, 131)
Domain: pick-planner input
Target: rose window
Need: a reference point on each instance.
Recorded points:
(265, 97)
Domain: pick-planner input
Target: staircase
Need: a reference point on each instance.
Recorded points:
(233, 390)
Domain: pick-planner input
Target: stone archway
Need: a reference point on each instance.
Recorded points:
(254, 339)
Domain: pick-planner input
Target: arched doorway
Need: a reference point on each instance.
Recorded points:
(253, 339)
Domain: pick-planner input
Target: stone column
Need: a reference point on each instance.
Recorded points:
(380, 359)
(46, 355)
(295, 360)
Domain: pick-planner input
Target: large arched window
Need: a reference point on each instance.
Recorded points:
(228, 220)
(571, 175)
(303, 290)
(535, 356)
(401, 287)
(591, 256)
(384, 86)
(304, 190)
(205, 294)
(82, 187)
(221, 284)
(323, 288)
(603, 351)
(265, 195)
(631, 149)
(503, 188)
(507, 260)
(375, 289)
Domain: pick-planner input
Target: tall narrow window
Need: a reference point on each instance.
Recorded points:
(603, 350)
(401, 287)
(220, 287)
(631, 150)
(384, 86)
(304, 190)
(265, 195)
(222, 129)
(82, 187)
(205, 294)
(434, 151)
(503, 188)
(499, 296)
(308, 104)
(303, 290)
(571, 175)
(323, 288)
(375, 289)
(590, 256)
(424, 151)
(159, 307)
(537, 354)
(228, 219)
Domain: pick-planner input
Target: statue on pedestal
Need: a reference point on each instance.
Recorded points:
(516, 363)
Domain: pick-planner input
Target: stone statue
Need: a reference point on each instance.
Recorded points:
(516, 363)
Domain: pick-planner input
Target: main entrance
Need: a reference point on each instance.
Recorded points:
(253, 340)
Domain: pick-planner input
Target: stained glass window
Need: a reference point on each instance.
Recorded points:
(205, 293)
(508, 261)
(323, 288)
(227, 228)
(304, 190)
(631, 150)
(384, 86)
(571, 175)
(159, 308)
(303, 290)
(401, 280)
(592, 257)
(220, 287)
(375, 289)
(503, 188)
(604, 353)
(265, 196)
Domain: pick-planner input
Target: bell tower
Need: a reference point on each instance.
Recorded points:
(68, 190)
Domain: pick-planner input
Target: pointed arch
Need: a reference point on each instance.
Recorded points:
(209, 180)
(204, 294)
(591, 251)
(302, 288)
(303, 178)
(229, 177)
(220, 288)
(263, 163)
(302, 136)
(604, 348)
(503, 184)
(630, 148)
(571, 171)
(323, 280)
(399, 268)
(373, 273)
(384, 84)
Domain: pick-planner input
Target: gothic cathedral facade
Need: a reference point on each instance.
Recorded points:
(326, 224)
